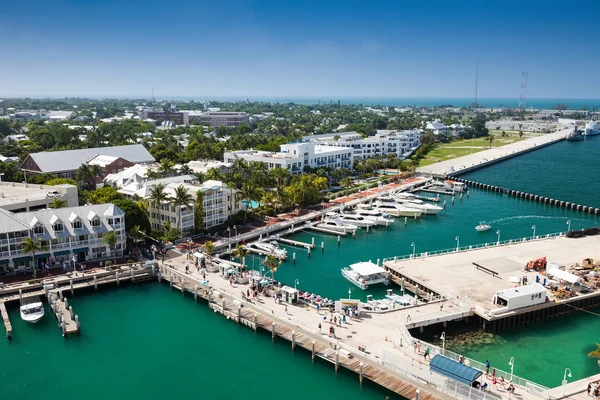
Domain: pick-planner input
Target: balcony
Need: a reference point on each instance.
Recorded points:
(80, 243)
(4, 254)
(60, 246)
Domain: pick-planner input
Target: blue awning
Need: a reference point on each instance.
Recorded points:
(43, 255)
(19, 259)
(62, 253)
(454, 370)
(82, 250)
(4, 261)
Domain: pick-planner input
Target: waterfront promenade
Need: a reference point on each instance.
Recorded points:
(477, 160)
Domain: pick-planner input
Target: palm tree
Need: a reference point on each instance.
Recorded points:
(96, 171)
(84, 175)
(199, 211)
(209, 247)
(272, 263)
(280, 175)
(32, 246)
(165, 166)
(238, 166)
(248, 192)
(185, 170)
(241, 253)
(136, 234)
(111, 240)
(491, 139)
(181, 199)
(158, 196)
(200, 176)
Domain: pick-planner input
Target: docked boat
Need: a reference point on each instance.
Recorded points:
(454, 185)
(265, 248)
(575, 136)
(396, 209)
(336, 225)
(365, 274)
(410, 201)
(592, 128)
(32, 310)
(404, 300)
(357, 220)
(483, 226)
(374, 215)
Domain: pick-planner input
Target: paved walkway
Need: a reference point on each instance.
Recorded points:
(488, 156)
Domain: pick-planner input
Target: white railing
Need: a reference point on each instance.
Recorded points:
(81, 242)
(60, 246)
(472, 247)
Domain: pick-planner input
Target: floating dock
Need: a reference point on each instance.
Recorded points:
(296, 243)
(6, 319)
(68, 322)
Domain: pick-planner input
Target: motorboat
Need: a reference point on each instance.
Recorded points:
(575, 136)
(403, 300)
(357, 220)
(483, 226)
(381, 305)
(374, 215)
(429, 209)
(336, 225)
(454, 185)
(265, 248)
(396, 209)
(365, 274)
(592, 128)
(32, 310)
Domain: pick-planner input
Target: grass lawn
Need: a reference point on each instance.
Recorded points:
(459, 148)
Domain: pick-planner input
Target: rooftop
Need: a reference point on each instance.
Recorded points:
(102, 160)
(17, 193)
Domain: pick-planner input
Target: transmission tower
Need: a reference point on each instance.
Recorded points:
(524, 77)
(475, 104)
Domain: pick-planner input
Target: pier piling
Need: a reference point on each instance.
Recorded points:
(196, 293)
(273, 331)
(95, 282)
(360, 373)
(171, 280)
(313, 351)
(308, 252)
(71, 311)
(312, 242)
(418, 395)
(406, 218)
(71, 286)
(77, 323)
(322, 247)
(256, 322)
(339, 237)
(117, 277)
(20, 295)
(337, 360)
(183, 287)
(293, 340)
(294, 257)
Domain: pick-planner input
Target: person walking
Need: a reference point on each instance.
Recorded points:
(487, 368)
(319, 327)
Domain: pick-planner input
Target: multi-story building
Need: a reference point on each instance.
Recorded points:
(221, 118)
(72, 233)
(23, 197)
(296, 156)
(160, 115)
(110, 164)
(219, 202)
(401, 143)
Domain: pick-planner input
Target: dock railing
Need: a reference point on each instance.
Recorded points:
(472, 247)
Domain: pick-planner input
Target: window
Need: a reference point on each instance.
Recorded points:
(58, 227)
(96, 222)
(76, 225)
(38, 230)
(110, 221)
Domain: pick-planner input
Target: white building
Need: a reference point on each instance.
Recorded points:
(401, 143)
(22, 197)
(437, 128)
(296, 156)
(520, 296)
(203, 166)
(26, 116)
(73, 233)
(15, 138)
(136, 173)
(219, 202)
(54, 116)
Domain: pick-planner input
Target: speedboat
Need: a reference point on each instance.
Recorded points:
(337, 225)
(365, 274)
(376, 216)
(404, 300)
(483, 226)
(396, 209)
(429, 209)
(32, 310)
(269, 249)
(357, 220)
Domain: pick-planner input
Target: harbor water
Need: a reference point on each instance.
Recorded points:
(146, 342)
(565, 171)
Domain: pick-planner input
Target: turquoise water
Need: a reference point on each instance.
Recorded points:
(146, 342)
(513, 217)
(566, 171)
(251, 204)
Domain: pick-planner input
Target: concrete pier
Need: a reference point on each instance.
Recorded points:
(6, 320)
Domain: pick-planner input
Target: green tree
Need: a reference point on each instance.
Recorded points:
(110, 239)
(180, 200)
(272, 263)
(249, 192)
(105, 194)
(32, 246)
(209, 247)
(57, 203)
(199, 211)
(158, 196)
(61, 181)
(84, 176)
(136, 215)
(241, 253)
(491, 139)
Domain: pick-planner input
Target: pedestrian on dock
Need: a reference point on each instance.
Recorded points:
(335, 320)
(441, 307)
(418, 346)
(325, 317)
(320, 332)
(461, 358)
(426, 354)
(318, 309)
(493, 373)
(286, 309)
(487, 368)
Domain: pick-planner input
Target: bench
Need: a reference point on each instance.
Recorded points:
(484, 269)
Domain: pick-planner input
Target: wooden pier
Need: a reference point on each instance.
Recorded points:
(6, 319)
(248, 315)
(296, 243)
(67, 321)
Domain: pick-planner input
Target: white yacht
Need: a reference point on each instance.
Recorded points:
(410, 201)
(265, 248)
(376, 216)
(337, 225)
(404, 300)
(358, 220)
(389, 205)
(365, 274)
(592, 128)
(32, 310)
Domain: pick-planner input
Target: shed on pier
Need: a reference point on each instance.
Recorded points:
(520, 296)
(454, 370)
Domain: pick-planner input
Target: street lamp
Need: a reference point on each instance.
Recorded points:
(533, 227)
(512, 367)
(568, 225)
(229, 233)
(443, 337)
(498, 233)
(349, 293)
(296, 282)
(457, 242)
(262, 270)
(564, 382)
(235, 228)
(414, 248)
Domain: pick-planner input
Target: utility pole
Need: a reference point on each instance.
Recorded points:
(524, 77)
(475, 104)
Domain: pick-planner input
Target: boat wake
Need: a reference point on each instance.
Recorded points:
(535, 217)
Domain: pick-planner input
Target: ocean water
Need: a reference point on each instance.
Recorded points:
(566, 171)
(514, 218)
(146, 342)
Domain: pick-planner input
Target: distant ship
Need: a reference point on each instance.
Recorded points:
(592, 128)
(576, 135)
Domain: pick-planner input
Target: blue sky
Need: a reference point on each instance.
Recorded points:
(299, 48)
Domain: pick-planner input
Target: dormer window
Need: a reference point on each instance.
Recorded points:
(38, 229)
(77, 224)
(58, 227)
(95, 222)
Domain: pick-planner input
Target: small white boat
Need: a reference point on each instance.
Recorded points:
(404, 300)
(483, 226)
(357, 220)
(397, 210)
(265, 248)
(365, 274)
(376, 216)
(32, 310)
(336, 225)
(429, 209)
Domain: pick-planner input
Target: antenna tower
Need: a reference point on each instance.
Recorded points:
(153, 99)
(524, 77)
(475, 105)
